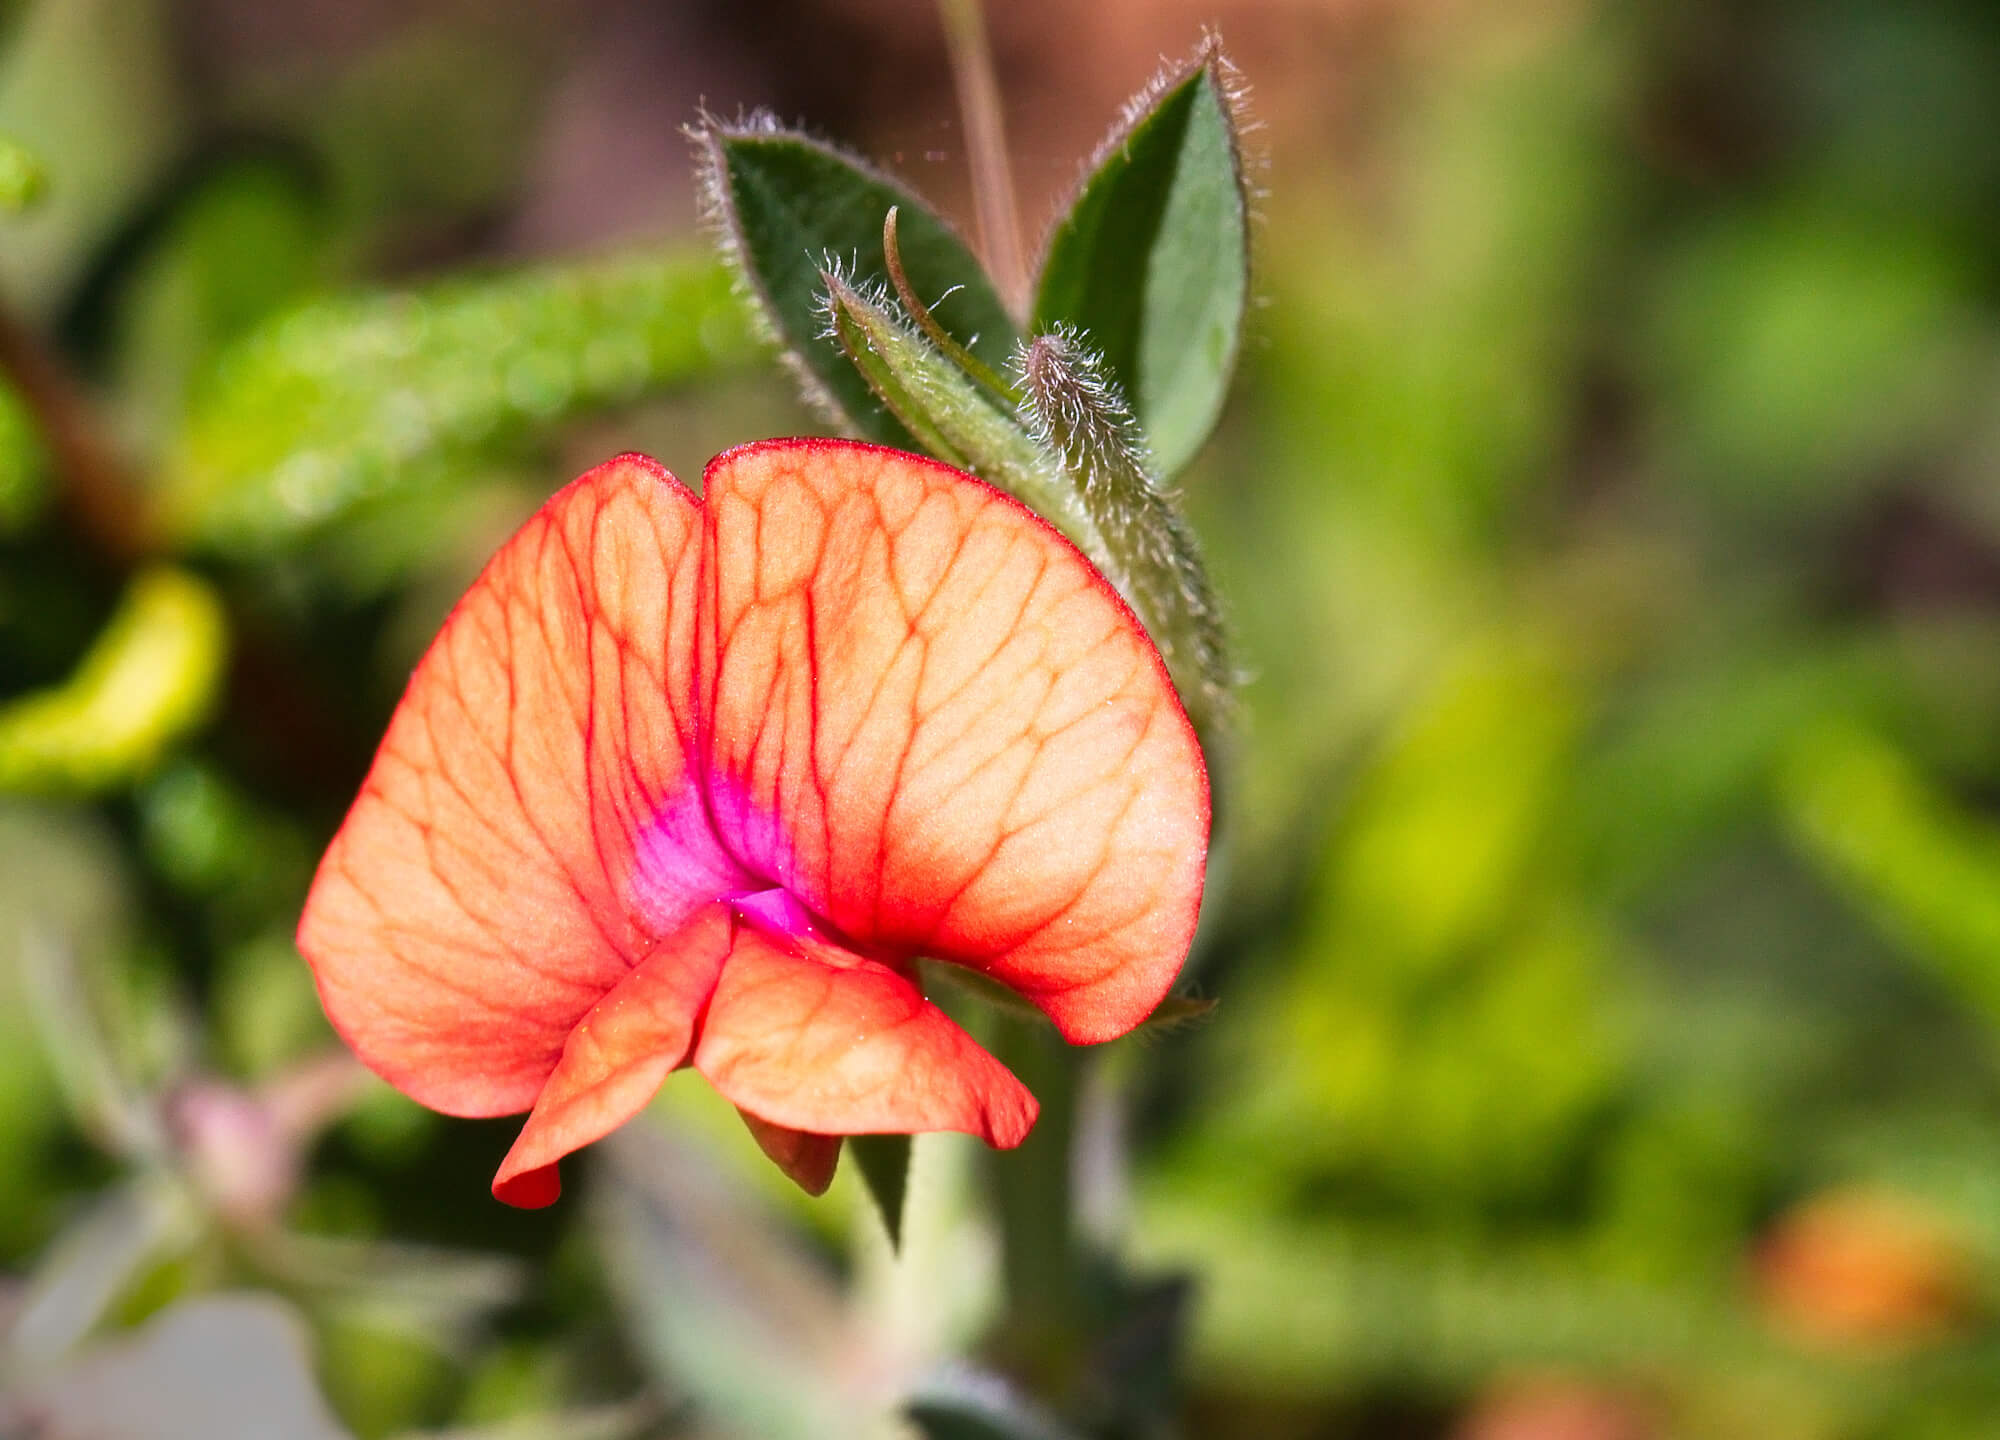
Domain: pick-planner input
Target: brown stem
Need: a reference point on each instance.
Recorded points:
(95, 487)
(986, 149)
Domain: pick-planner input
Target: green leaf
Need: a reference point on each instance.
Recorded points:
(884, 1161)
(337, 403)
(150, 679)
(1152, 259)
(787, 207)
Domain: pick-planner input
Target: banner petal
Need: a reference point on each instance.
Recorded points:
(530, 827)
(934, 724)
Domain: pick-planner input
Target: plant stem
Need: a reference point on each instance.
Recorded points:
(94, 485)
(1033, 1187)
(986, 149)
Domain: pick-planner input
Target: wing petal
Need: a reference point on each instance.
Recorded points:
(937, 726)
(529, 828)
(618, 1055)
(803, 1035)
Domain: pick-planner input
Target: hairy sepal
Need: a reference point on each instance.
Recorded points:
(1076, 411)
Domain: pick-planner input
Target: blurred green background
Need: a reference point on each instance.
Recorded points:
(1606, 922)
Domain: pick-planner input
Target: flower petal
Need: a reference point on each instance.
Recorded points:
(806, 1036)
(529, 827)
(618, 1055)
(937, 726)
(808, 1159)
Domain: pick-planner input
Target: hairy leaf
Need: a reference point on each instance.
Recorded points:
(1152, 259)
(786, 207)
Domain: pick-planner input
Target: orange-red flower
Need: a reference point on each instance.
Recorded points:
(695, 781)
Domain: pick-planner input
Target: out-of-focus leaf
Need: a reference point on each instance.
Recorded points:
(884, 1161)
(1926, 870)
(1693, 756)
(396, 1319)
(1799, 352)
(962, 1404)
(102, 1097)
(89, 1266)
(1152, 260)
(446, 1296)
(148, 681)
(1439, 1087)
(1442, 827)
(23, 181)
(430, 125)
(223, 1367)
(1314, 1310)
(345, 401)
(24, 484)
(786, 207)
(515, 1377)
(630, 1421)
(62, 882)
(212, 840)
(1406, 1049)
(263, 1007)
(1423, 350)
(88, 86)
(238, 242)
(721, 1303)
(387, 1127)
(381, 1378)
